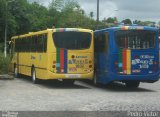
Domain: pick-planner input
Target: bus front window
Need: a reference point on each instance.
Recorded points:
(135, 39)
(72, 40)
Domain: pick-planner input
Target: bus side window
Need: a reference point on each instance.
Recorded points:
(96, 43)
(45, 42)
(24, 44)
(107, 41)
(32, 44)
(21, 45)
(35, 42)
(101, 43)
(40, 43)
(27, 44)
(16, 45)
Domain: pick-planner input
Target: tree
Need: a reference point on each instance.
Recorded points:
(127, 22)
(57, 5)
(16, 17)
(38, 17)
(138, 22)
(110, 20)
(91, 14)
(159, 24)
(2, 19)
(72, 15)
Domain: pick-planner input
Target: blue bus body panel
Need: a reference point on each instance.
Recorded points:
(144, 62)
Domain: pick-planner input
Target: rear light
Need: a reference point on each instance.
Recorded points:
(90, 66)
(155, 62)
(53, 66)
(116, 66)
(73, 56)
(155, 65)
(116, 63)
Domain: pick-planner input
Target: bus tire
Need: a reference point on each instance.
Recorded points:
(95, 80)
(16, 74)
(33, 75)
(132, 84)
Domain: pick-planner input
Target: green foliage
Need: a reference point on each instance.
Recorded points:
(91, 14)
(127, 21)
(23, 17)
(110, 20)
(4, 64)
(144, 23)
(38, 17)
(56, 5)
(2, 19)
(1, 47)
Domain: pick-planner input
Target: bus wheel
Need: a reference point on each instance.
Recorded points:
(34, 79)
(132, 84)
(95, 80)
(16, 72)
(69, 82)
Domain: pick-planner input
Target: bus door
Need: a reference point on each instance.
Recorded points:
(101, 53)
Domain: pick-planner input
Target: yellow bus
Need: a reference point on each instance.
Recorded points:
(65, 54)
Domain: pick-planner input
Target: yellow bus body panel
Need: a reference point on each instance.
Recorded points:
(80, 67)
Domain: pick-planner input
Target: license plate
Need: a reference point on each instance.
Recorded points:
(73, 76)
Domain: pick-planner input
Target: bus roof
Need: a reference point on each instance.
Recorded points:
(128, 28)
(32, 33)
(71, 29)
(53, 30)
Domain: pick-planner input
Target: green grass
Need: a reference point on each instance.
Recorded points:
(4, 64)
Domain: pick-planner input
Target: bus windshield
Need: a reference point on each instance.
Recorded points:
(72, 40)
(135, 39)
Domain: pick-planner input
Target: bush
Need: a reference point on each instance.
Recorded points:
(1, 47)
(4, 64)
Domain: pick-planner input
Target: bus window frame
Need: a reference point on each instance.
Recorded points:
(105, 44)
(91, 39)
(33, 43)
(114, 34)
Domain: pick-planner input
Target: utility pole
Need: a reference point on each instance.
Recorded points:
(97, 10)
(6, 28)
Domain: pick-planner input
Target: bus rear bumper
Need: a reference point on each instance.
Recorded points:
(150, 78)
(142, 78)
(52, 75)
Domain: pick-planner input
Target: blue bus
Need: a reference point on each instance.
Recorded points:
(129, 54)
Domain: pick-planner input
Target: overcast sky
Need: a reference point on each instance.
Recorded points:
(122, 9)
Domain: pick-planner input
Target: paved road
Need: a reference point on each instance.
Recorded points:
(21, 94)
